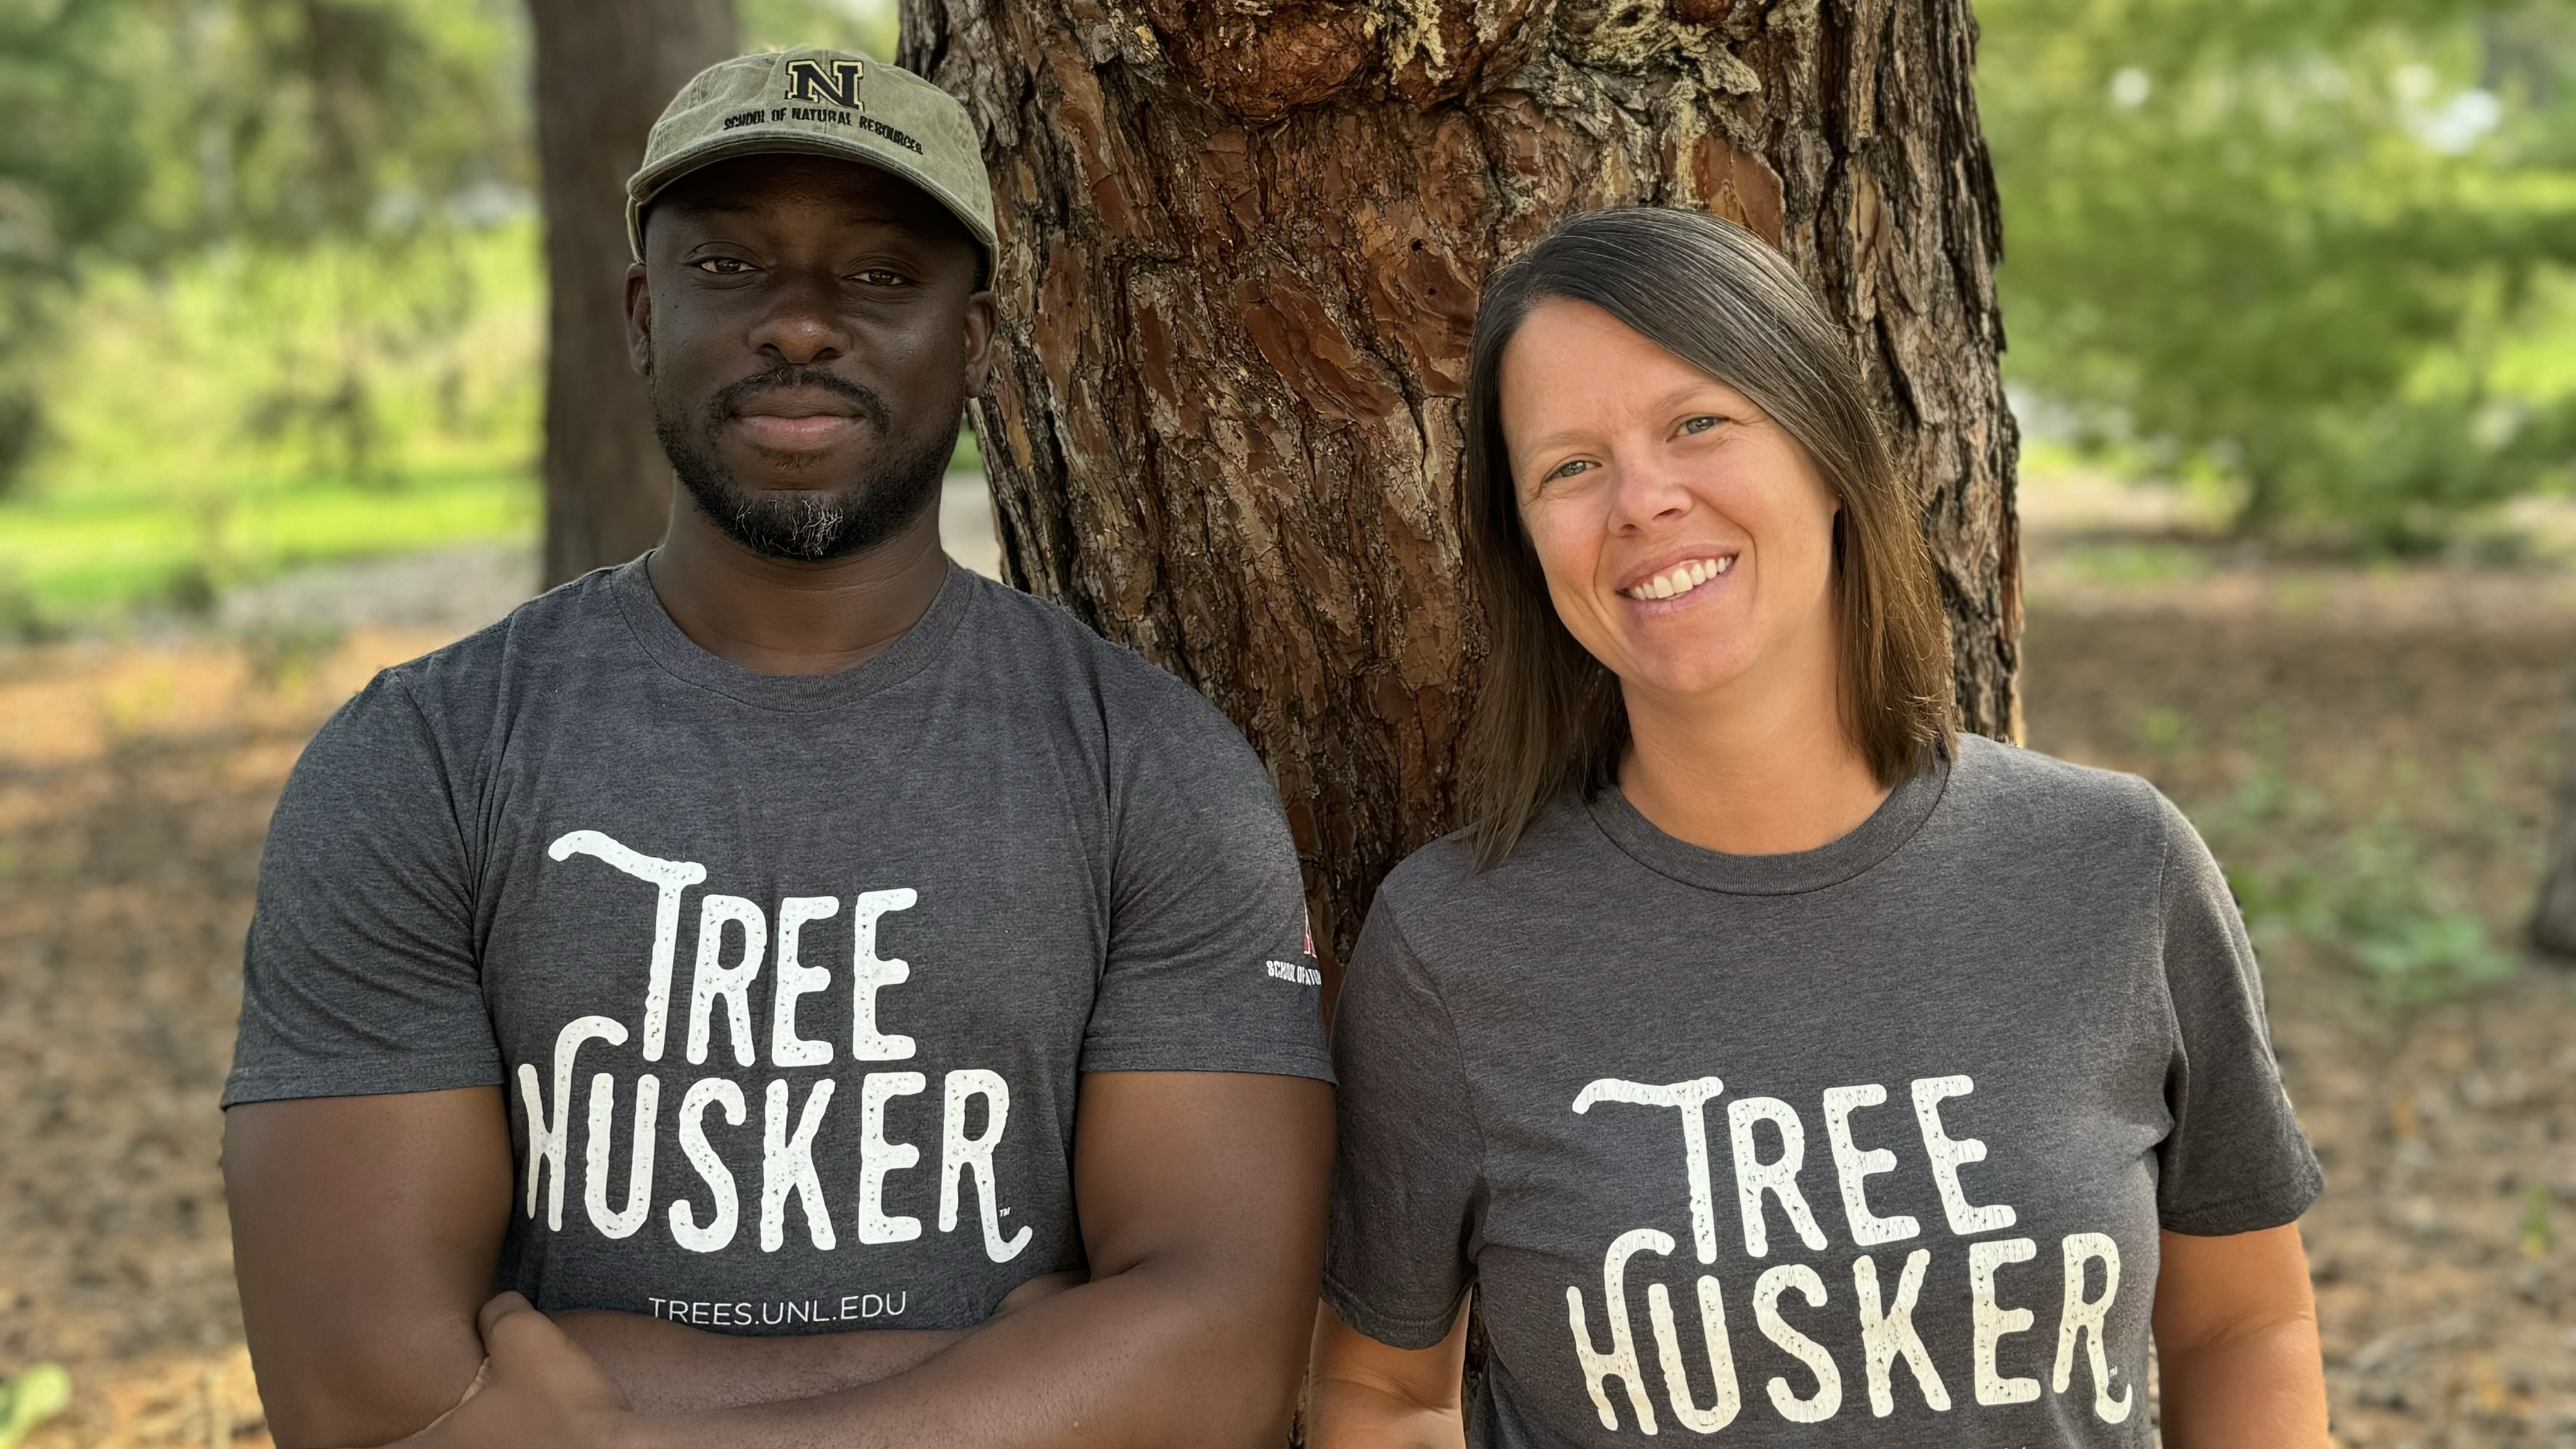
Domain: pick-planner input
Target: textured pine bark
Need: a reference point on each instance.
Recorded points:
(603, 74)
(1242, 241)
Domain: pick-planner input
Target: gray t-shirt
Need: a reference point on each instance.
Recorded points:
(788, 981)
(1868, 1144)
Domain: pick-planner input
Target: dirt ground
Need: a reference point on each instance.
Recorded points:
(2327, 725)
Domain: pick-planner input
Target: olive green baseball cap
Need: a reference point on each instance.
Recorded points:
(822, 103)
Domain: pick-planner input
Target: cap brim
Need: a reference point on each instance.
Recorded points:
(642, 191)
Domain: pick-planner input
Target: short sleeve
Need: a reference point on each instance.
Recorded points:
(1408, 1177)
(1209, 966)
(2236, 1160)
(360, 975)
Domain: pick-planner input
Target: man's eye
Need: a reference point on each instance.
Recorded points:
(722, 266)
(880, 277)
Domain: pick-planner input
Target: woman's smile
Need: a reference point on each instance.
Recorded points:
(1673, 585)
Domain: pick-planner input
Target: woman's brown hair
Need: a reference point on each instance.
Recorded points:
(1712, 294)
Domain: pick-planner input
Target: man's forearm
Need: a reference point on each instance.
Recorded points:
(670, 1368)
(1156, 1356)
(1202, 1198)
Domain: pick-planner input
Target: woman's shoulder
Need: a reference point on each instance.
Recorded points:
(2053, 803)
(1432, 877)
(1444, 878)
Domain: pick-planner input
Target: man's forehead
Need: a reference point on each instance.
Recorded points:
(763, 184)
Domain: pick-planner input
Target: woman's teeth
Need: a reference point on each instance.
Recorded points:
(1680, 578)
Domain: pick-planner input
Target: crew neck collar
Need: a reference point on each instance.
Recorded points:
(632, 587)
(1888, 827)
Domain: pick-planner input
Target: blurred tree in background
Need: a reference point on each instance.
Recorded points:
(2307, 249)
(273, 284)
(603, 74)
(154, 133)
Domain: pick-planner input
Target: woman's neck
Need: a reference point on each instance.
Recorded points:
(1766, 766)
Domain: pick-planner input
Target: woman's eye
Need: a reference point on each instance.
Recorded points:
(1567, 469)
(1702, 423)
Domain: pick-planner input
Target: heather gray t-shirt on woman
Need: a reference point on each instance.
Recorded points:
(788, 981)
(1864, 1145)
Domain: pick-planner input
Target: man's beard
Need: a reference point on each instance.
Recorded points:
(803, 525)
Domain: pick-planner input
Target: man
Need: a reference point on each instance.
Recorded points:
(839, 998)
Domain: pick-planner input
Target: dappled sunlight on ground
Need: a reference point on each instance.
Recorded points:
(78, 704)
(135, 784)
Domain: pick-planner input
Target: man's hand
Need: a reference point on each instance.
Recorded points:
(537, 1388)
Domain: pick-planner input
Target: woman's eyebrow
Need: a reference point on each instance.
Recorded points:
(1692, 391)
(1673, 399)
(1558, 438)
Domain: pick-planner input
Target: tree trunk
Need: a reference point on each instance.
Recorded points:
(603, 74)
(1241, 246)
(2553, 919)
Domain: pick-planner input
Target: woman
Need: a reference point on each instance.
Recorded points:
(1769, 1059)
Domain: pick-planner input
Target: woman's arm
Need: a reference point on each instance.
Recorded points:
(2236, 1343)
(1364, 1395)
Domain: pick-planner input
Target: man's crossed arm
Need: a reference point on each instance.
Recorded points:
(366, 1230)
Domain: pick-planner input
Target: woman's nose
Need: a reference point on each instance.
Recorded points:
(1646, 492)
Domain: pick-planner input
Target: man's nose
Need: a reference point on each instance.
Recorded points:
(803, 323)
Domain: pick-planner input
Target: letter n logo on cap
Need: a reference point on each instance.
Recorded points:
(818, 82)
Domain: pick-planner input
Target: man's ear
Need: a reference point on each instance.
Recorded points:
(983, 320)
(639, 321)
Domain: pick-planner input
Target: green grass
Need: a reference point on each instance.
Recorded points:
(250, 412)
(108, 551)
(2144, 562)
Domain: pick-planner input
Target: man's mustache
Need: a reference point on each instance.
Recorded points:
(863, 400)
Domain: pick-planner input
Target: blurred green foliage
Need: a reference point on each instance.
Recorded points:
(2358, 881)
(866, 26)
(254, 251)
(143, 135)
(28, 1400)
(224, 415)
(271, 286)
(2310, 251)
